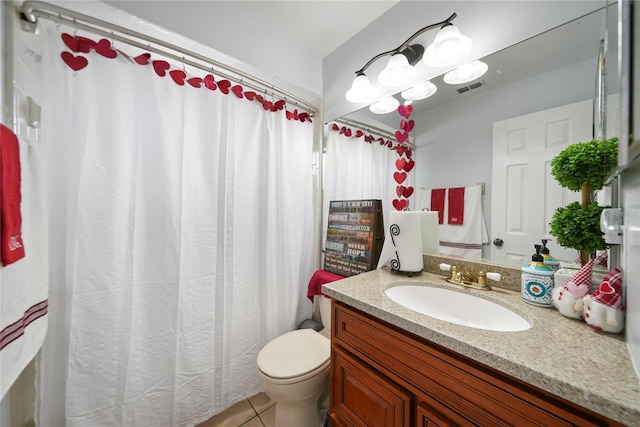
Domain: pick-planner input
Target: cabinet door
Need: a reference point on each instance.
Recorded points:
(362, 397)
(430, 413)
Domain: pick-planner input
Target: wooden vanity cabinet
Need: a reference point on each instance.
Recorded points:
(382, 375)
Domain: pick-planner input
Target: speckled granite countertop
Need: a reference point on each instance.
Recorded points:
(560, 355)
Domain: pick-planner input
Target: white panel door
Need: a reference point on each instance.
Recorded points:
(525, 194)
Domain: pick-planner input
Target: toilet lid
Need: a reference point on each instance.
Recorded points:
(294, 354)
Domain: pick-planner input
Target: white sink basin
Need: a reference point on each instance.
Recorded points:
(456, 307)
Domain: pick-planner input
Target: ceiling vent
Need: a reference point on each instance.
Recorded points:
(470, 87)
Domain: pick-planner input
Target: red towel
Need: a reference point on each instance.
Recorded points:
(456, 206)
(319, 278)
(10, 218)
(437, 203)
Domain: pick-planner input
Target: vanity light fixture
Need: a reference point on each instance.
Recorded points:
(448, 48)
(420, 91)
(466, 73)
(385, 105)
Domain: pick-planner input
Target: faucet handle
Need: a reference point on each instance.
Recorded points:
(494, 276)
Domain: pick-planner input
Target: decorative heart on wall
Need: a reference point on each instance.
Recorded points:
(224, 86)
(103, 47)
(160, 67)
(401, 136)
(407, 125)
(408, 191)
(400, 177)
(408, 166)
(195, 82)
(400, 204)
(74, 62)
(237, 91)
(143, 58)
(209, 82)
(405, 110)
(178, 76)
(400, 164)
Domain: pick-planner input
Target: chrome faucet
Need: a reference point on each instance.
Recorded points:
(466, 278)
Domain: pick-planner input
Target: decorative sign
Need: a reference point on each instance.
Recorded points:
(355, 234)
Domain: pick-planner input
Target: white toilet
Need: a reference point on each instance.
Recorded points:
(294, 369)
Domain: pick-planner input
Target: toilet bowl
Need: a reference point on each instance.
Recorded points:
(294, 371)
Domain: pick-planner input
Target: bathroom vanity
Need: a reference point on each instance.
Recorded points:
(392, 366)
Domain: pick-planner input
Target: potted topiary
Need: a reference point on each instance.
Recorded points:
(582, 167)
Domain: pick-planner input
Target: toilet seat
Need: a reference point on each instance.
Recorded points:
(296, 354)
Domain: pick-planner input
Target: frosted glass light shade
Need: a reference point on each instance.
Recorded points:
(385, 105)
(420, 91)
(466, 73)
(361, 90)
(397, 72)
(448, 48)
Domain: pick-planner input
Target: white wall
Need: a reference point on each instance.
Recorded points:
(455, 141)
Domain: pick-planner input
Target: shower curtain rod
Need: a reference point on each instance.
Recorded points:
(373, 129)
(32, 10)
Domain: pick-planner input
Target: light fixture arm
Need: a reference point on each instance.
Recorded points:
(406, 45)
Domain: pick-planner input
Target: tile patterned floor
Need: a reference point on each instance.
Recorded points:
(257, 411)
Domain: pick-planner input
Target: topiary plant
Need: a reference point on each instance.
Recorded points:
(585, 163)
(575, 227)
(582, 167)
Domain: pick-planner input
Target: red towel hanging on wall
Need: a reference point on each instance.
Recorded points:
(10, 217)
(437, 202)
(456, 206)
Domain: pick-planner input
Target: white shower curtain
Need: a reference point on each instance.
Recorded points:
(181, 242)
(357, 170)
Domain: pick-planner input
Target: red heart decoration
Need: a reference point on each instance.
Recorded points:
(237, 91)
(369, 138)
(160, 67)
(389, 144)
(305, 117)
(359, 133)
(209, 82)
(407, 192)
(85, 45)
(71, 42)
(400, 190)
(289, 115)
(401, 136)
(400, 149)
(343, 129)
(405, 110)
(250, 95)
(260, 99)
(408, 152)
(267, 105)
(400, 163)
(295, 114)
(399, 177)
(348, 132)
(400, 204)
(224, 86)
(195, 82)
(280, 104)
(606, 288)
(335, 127)
(409, 165)
(408, 125)
(143, 58)
(103, 47)
(74, 62)
(178, 76)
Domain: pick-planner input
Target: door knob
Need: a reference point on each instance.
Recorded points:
(498, 242)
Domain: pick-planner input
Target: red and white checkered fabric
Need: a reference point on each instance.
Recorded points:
(579, 284)
(609, 292)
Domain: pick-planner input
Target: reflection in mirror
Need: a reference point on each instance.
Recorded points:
(454, 128)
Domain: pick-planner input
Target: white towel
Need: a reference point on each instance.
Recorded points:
(24, 284)
(465, 240)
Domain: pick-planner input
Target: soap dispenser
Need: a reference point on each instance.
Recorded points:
(537, 281)
(547, 258)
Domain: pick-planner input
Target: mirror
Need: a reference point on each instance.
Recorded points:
(454, 128)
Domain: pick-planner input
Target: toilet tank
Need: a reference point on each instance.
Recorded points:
(324, 304)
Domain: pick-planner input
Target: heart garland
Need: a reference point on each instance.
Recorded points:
(357, 133)
(103, 47)
(405, 164)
